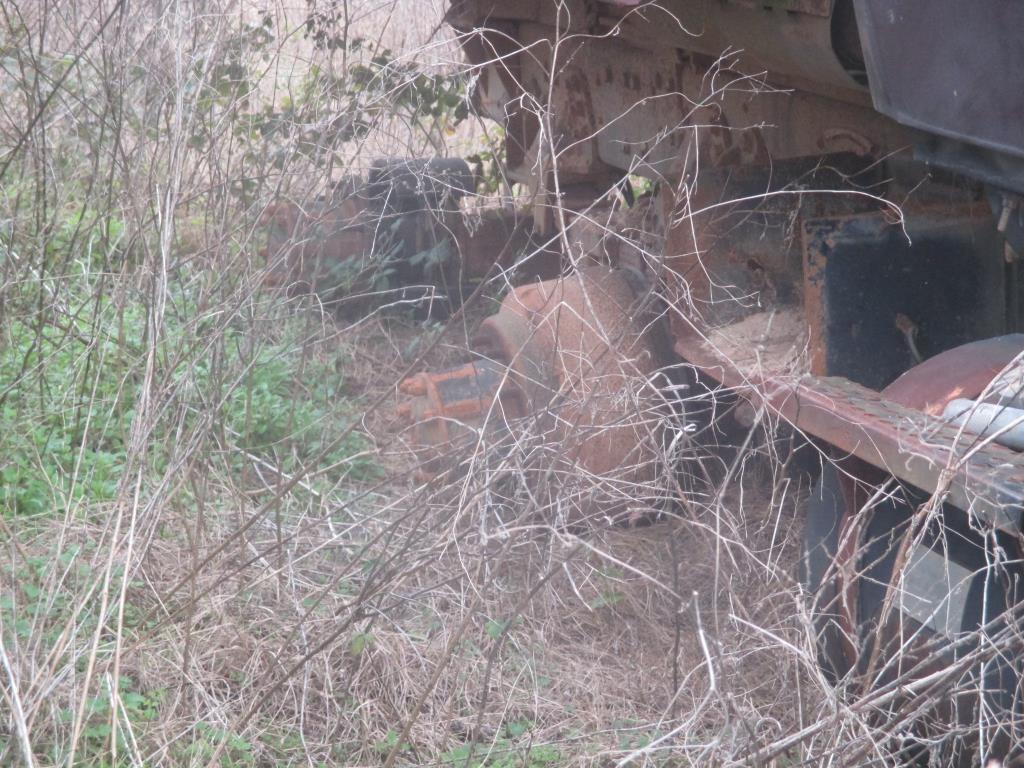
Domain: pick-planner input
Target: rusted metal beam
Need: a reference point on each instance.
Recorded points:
(982, 478)
(643, 103)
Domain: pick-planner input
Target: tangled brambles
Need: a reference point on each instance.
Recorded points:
(488, 520)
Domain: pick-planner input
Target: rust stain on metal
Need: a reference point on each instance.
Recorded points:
(570, 353)
(961, 372)
(900, 440)
(814, 305)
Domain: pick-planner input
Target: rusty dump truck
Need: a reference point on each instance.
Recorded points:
(824, 227)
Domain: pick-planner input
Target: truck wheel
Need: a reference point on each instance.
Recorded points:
(919, 599)
(926, 594)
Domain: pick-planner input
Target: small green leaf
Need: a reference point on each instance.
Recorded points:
(605, 600)
(360, 642)
(517, 728)
(494, 629)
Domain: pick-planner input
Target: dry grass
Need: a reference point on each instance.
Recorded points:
(591, 647)
(216, 552)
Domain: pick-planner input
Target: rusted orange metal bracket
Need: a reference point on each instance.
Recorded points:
(572, 354)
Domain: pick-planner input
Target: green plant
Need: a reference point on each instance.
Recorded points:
(66, 409)
(495, 629)
(237, 752)
(374, 85)
(72, 386)
(134, 709)
(489, 164)
(502, 754)
(386, 746)
(513, 749)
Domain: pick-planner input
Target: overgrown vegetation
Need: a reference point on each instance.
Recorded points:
(216, 548)
(73, 385)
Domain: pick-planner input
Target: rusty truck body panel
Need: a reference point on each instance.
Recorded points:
(832, 237)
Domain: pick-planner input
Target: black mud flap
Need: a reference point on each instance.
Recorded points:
(818, 574)
(956, 580)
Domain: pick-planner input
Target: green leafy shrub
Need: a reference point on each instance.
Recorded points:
(71, 383)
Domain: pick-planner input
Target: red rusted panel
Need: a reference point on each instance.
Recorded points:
(635, 102)
(961, 372)
(814, 310)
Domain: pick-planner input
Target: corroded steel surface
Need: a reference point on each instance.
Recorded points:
(985, 479)
(571, 355)
(643, 90)
(792, 40)
(451, 410)
(598, 362)
(961, 372)
(876, 295)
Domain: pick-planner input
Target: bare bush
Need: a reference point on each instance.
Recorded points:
(218, 552)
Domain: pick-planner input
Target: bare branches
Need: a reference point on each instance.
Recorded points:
(225, 548)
